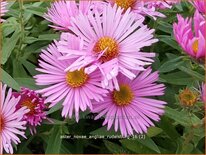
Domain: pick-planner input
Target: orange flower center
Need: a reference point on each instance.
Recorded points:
(195, 46)
(76, 78)
(2, 123)
(125, 3)
(108, 44)
(124, 96)
(30, 105)
(188, 97)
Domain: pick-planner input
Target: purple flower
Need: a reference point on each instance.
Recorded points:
(110, 43)
(35, 104)
(11, 120)
(131, 108)
(76, 89)
(192, 42)
(61, 12)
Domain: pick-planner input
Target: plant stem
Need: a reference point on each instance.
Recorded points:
(21, 22)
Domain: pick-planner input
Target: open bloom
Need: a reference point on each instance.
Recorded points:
(3, 9)
(200, 5)
(111, 43)
(131, 108)
(11, 123)
(61, 12)
(75, 88)
(193, 44)
(35, 104)
(161, 4)
(138, 7)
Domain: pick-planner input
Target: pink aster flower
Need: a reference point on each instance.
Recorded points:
(192, 42)
(161, 4)
(138, 7)
(200, 5)
(203, 92)
(11, 123)
(61, 12)
(133, 107)
(37, 107)
(3, 9)
(75, 88)
(111, 43)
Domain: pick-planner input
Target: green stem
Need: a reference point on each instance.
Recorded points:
(21, 22)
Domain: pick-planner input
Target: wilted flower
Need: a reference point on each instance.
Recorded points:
(11, 123)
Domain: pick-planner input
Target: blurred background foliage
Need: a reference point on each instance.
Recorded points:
(181, 130)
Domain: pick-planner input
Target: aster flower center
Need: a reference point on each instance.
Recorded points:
(30, 105)
(2, 123)
(125, 3)
(188, 97)
(124, 96)
(195, 46)
(111, 46)
(76, 78)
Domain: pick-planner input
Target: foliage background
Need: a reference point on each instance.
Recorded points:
(180, 130)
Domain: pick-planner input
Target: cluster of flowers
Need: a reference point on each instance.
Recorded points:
(98, 64)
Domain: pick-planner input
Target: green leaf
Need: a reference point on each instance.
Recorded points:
(9, 45)
(166, 125)
(7, 79)
(169, 41)
(171, 64)
(115, 148)
(136, 147)
(39, 11)
(45, 37)
(153, 131)
(104, 131)
(54, 141)
(164, 26)
(192, 73)
(31, 68)
(176, 78)
(27, 82)
(182, 117)
(148, 142)
(54, 122)
(55, 108)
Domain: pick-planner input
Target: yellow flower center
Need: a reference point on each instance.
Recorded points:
(124, 96)
(195, 46)
(111, 46)
(2, 123)
(30, 105)
(76, 78)
(125, 3)
(188, 97)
